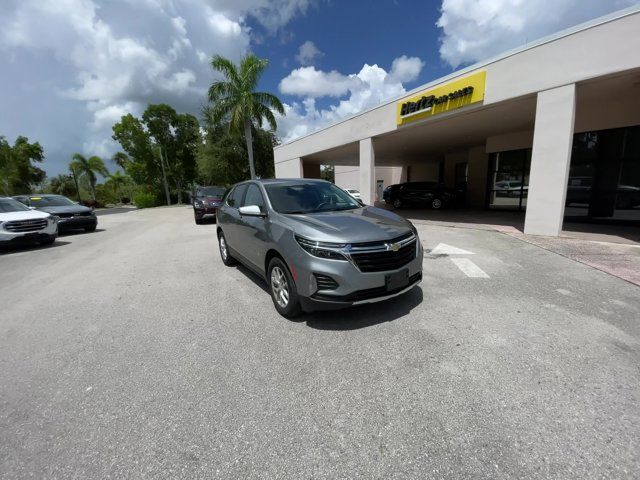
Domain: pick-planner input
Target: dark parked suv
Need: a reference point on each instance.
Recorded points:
(420, 194)
(206, 202)
(317, 246)
(71, 216)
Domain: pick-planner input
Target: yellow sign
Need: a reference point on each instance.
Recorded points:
(447, 97)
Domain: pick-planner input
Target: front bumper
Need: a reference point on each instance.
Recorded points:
(9, 238)
(354, 286)
(71, 223)
(205, 212)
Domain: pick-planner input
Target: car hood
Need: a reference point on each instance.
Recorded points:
(65, 209)
(367, 224)
(30, 215)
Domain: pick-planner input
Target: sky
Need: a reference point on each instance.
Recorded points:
(70, 69)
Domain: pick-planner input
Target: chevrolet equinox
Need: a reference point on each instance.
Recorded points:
(317, 247)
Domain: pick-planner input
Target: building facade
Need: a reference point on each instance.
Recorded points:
(552, 129)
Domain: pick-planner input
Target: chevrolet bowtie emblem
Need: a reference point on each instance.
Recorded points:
(394, 247)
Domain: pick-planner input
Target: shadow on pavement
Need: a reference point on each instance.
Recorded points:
(23, 247)
(69, 233)
(366, 315)
(111, 211)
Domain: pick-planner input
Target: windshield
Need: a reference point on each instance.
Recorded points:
(210, 192)
(10, 205)
(309, 198)
(53, 201)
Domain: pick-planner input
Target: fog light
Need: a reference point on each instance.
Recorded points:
(313, 284)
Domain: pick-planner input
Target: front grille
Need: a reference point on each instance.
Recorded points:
(367, 294)
(24, 226)
(64, 215)
(325, 282)
(384, 260)
(71, 215)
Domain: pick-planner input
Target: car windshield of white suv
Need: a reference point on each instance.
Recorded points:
(10, 205)
(309, 198)
(53, 201)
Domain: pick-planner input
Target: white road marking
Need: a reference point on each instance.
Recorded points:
(469, 268)
(444, 249)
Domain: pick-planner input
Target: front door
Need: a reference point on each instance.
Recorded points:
(252, 231)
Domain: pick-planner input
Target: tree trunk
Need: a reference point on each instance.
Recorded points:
(75, 179)
(249, 139)
(164, 179)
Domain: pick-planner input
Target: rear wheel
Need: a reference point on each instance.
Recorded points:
(227, 259)
(283, 289)
(397, 203)
(437, 203)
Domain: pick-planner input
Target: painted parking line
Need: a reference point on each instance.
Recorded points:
(444, 249)
(469, 268)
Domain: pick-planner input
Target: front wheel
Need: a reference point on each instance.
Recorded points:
(227, 259)
(397, 203)
(48, 241)
(283, 289)
(92, 228)
(198, 220)
(437, 203)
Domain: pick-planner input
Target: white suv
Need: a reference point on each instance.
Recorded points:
(19, 223)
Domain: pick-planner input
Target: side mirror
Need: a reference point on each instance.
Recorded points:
(251, 211)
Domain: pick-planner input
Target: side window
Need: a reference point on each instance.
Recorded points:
(229, 197)
(235, 197)
(254, 197)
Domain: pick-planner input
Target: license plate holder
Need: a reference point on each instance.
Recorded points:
(397, 280)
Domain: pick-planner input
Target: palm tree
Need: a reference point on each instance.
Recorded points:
(81, 165)
(117, 180)
(120, 159)
(234, 98)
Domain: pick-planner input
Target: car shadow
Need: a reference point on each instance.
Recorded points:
(17, 248)
(258, 280)
(68, 233)
(368, 315)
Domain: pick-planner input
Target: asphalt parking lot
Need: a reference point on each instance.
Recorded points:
(132, 352)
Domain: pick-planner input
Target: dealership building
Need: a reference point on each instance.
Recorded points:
(551, 129)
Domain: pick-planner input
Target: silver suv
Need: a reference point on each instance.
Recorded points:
(317, 246)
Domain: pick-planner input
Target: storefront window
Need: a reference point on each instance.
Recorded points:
(604, 176)
(509, 179)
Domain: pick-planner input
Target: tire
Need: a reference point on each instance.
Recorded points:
(48, 241)
(227, 259)
(198, 220)
(283, 289)
(92, 228)
(437, 203)
(397, 203)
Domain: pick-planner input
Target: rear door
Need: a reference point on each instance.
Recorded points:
(252, 236)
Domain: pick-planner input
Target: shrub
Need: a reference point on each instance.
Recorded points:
(144, 200)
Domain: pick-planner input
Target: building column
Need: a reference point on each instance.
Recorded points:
(550, 160)
(367, 171)
(289, 169)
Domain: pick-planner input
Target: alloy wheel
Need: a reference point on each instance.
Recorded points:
(223, 248)
(279, 287)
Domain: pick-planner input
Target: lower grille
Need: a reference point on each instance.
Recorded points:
(367, 294)
(23, 226)
(385, 260)
(325, 282)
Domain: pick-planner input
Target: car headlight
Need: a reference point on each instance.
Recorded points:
(326, 250)
(198, 203)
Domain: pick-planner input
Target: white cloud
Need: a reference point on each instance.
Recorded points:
(308, 53)
(474, 31)
(100, 61)
(316, 83)
(367, 88)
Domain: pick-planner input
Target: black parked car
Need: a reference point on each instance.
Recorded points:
(206, 202)
(71, 216)
(421, 194)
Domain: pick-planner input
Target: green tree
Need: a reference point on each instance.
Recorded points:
(235, 101)
(88, 167)
(62, 185)
(222, 157)
(18, 174)
(327, 172)
(117, 181)
(121, 159)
